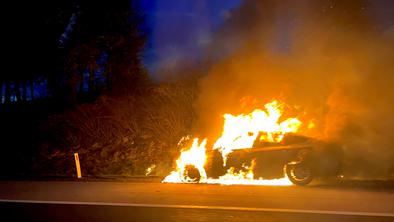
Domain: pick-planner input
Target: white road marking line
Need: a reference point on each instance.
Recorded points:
(279, 210)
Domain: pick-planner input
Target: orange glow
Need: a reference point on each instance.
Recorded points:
(246, 177)
(195, 156)
(239, 132)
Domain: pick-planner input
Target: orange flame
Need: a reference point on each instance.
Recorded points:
(247, 178)
(195, 156)
(239, 132)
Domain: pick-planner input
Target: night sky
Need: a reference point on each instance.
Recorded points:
(179, 31)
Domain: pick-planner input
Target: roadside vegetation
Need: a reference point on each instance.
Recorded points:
(119, 136)
(80, 86)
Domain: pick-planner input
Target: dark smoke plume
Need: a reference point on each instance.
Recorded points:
(329, 59)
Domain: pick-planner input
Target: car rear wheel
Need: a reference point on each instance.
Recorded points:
(299, 173)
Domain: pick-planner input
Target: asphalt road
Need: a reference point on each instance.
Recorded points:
(136, 201)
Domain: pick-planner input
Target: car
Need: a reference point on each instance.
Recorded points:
(300, 158)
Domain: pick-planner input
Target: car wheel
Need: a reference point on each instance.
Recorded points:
(191, 174)
(299, 173)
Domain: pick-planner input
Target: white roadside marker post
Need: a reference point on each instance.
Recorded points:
(77, 165)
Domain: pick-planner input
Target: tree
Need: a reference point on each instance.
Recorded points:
(104, 28)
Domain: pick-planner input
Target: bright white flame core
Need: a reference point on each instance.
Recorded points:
(239, 132)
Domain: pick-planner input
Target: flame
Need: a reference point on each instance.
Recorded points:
(246, 177)
(239, 132)
(150, 169)
(193, 156)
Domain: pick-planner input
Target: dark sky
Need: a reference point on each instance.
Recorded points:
(179, 30)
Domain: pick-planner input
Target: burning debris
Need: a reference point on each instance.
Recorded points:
(150, 169)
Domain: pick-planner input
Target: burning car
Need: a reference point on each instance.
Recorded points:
(259, 149)
(299, 158)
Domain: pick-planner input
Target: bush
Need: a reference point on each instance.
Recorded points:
(119, 136)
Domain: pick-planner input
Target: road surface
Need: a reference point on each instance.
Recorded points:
(137, 201)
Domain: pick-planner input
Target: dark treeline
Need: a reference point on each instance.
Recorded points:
(75, 83)
(70, 50)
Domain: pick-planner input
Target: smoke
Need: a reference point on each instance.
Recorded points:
(329, 59)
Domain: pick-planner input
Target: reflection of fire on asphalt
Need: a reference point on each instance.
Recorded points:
(239, 132)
